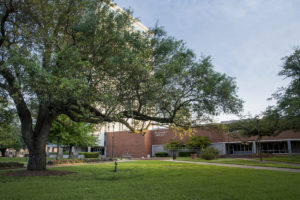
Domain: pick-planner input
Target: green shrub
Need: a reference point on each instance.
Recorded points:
(161, 154)
(185, 154)
(209, 153)
(90, 154)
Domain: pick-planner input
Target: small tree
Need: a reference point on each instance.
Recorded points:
(10, 137)
(10, 134)
(67, 132)
(173, 146)
(197, 143)
(257, 127)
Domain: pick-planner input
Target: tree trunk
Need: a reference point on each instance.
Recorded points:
(37, 139)
(37, 157)
(3, 150)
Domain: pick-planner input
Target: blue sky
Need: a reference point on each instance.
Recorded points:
(246, 38)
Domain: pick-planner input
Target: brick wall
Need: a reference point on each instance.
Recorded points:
(123, 142)
(137, 145)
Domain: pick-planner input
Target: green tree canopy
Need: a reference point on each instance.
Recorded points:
(288, 98)
(85, 60)
(197, 142)
(267, 125)
(72, 133)
(173, 145)
(64, 131)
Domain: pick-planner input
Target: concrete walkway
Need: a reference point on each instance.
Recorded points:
(239, 166)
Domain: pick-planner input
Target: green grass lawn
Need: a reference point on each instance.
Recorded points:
(240, 162)
(288, 159)
(158, 180)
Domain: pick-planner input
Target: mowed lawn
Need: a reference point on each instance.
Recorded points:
(153, 180)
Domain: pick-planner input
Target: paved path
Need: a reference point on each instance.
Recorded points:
(239, 166)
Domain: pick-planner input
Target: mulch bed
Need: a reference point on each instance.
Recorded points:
(37, 173)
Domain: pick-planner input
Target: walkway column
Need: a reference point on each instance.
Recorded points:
(254, 147)
(89, 149)
(289, 146)
(223, 149)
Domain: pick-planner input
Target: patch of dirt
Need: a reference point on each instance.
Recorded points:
(37, 173)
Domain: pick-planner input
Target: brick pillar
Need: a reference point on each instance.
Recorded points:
(148, 144)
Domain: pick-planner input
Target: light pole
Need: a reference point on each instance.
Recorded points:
(259, 138)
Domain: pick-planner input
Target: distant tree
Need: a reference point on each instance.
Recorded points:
(10, 134)
(197, 143)
(257, 127)
(173, 146)
(288, 98)
(10, 138)
(64, 131)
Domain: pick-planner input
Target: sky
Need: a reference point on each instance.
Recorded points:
(246, 39)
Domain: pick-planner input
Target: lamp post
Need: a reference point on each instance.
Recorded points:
(259, 138)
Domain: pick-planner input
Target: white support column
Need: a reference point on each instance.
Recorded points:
(223, 149)
(289, 146)
(254, 147)
(73, 150)
(89, 149)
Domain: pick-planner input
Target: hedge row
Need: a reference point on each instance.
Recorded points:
(70, 161)
(90, 154)
(55, 153)
(161, 154)
(185, 154)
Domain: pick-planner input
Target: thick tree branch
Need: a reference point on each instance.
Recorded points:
(9, 9)
(22, 109)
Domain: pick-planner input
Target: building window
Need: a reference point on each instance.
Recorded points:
(239, 148)
(98, 149)
(273, 147)
(295, 146)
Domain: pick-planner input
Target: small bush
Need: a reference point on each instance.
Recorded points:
(90, 154)
(209, 153)
(161, 154)
(185, 154)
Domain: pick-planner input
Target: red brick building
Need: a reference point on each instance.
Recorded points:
(121, 143)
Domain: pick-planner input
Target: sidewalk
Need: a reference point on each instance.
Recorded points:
(239, 166)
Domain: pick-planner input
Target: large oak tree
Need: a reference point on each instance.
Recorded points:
(84, 60)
